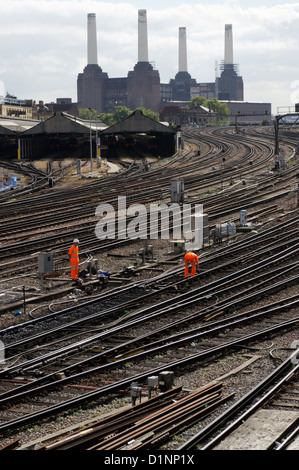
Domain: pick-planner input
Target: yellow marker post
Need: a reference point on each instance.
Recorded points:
(19, 149)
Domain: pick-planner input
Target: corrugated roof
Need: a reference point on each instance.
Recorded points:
(14, 125)
(136, 123)
(63, 123)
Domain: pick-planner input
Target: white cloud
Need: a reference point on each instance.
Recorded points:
(2, 88)
(46, 43)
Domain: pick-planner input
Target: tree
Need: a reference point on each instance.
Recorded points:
(149, 113)
(107, 119)
(88, 114)
(121, 113)
(221, 109)
(197, 101)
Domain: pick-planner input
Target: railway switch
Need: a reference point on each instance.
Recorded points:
(178, 246)
(141, 253)
(135, 393)
(45, 263)
(243, 218)
(166, 380)
(152, 383)
(150, 251)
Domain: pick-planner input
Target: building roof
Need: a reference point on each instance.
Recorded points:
(136, 123)
(59, 123)
(63, 123)
(14, 125)
(245, 102)
(201, 109)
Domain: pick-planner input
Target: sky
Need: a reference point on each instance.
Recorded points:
(43, 44)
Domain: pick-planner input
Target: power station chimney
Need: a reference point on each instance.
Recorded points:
(183, 82)
(228, 48)
(142, 36)
(229, 85)
(143, 83)
(182, 50)
(92, 50)
(92, 83)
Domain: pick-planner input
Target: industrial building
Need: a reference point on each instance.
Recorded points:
(64, 135)
(241, 113)
(11, 106)
(178, 113)
(247, 112)
(142, 86)
(16, 111)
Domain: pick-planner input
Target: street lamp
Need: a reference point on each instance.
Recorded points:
(90, 140)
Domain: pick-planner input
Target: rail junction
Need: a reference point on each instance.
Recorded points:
(154, 360)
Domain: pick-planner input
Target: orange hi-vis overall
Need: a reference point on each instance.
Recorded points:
(190, 259)
(74, 259)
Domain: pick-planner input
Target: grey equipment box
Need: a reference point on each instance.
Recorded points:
(45, 263)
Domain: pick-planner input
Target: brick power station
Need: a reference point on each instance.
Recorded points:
(142, 86)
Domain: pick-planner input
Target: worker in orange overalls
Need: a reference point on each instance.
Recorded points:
(191, 259)
(74, 258)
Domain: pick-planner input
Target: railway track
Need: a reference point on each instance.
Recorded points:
(85, 354)
(119, 355)
(128, 378)
(270, 399)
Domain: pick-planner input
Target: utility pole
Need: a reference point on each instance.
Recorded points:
(276, 129)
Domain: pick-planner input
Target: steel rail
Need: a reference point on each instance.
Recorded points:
(165, 342)
(89, 396)
(288, 439)
(184, 300)
(147, 178)
(241, 141)
(114, 423)
(162, 425)
(210, 205)
(174, 340)
(283, 373)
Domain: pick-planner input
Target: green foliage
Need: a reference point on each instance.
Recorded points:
(149, 113)
(121, 113)
(198, 101)
(214, 105)
(86, 114)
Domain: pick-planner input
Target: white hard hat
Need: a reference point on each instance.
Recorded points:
(76, 240)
